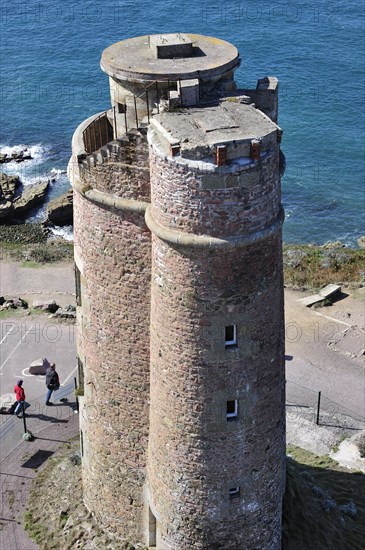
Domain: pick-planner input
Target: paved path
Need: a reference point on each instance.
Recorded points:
(324, 349)
(27, 338)
(21, 460)
(56, 280)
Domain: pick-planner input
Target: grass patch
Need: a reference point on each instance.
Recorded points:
(35, 530)
(30, 264)
(20, 312)
(309, 266)
(7, 313)
(35, 255)
(323, 504)
(310, 459)
(56, 516)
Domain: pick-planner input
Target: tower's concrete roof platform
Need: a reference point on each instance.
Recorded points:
(169, 57)
(229, 122)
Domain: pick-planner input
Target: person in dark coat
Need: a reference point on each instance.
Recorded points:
(52, 382)
(20, 397)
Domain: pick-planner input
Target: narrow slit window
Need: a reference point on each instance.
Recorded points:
(152, 530)
(78, 285)
(231, 335)
(80, 371)
(234, 492)
(232, 409)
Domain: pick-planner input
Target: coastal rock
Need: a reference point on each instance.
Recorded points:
(8, 186)
(27, 233)
(13, 303)
(361, 241)
(59, 211)
(69, 312)
(31, 196)
(6, 209)
(49, 305)
(17, 156)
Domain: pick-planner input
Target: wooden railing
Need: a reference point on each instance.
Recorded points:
(101, 130)
(98, 133)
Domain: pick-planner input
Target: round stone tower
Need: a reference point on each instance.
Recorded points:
(180, 295)
(216, 445)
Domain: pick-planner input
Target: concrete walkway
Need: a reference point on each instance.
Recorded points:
(21, 460)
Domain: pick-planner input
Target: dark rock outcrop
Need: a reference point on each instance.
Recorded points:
(17, 156)
(15, 208)
(59, 210)
(6, 209)
(31, 196)
(8, 187)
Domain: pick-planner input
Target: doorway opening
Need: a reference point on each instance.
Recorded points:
(152, 530)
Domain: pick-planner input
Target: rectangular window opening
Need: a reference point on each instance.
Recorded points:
(234, 492)
(152, 530)
(231, 336)
(232, 409)
(78, 285)
(80, 372)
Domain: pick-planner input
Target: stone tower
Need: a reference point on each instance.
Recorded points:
(178, 257)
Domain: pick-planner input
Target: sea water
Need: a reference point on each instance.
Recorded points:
(51, 81)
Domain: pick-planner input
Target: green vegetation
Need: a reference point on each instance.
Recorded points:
(79, 391)
(310, 459)
(313, 267)
(56, 516)
(20, 312)
(323, 504)
(35, 255)
(36, 531)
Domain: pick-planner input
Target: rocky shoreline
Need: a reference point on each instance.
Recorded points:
(16, 156)
(17, 200)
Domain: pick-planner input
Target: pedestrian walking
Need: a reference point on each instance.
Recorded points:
(20, 397)
(52, 382)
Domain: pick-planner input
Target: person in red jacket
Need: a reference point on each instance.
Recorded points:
(20, 397)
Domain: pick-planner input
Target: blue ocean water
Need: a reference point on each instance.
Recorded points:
(51, 81)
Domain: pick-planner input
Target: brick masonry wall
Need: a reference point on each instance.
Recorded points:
(195, 454)
(125, 174)
(113, 252)
(244, 203)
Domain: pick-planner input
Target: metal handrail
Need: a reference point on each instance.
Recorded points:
(99, 133)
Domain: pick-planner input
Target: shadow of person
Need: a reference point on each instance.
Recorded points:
(47, 418)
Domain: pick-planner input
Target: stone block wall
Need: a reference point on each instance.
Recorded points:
(240, 205)
(126, 173)
(197, 456)
(112, 252)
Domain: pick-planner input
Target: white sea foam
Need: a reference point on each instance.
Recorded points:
(66, 232)
(29, 171)
(288, 212)
(37, 151)
(58, 172)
